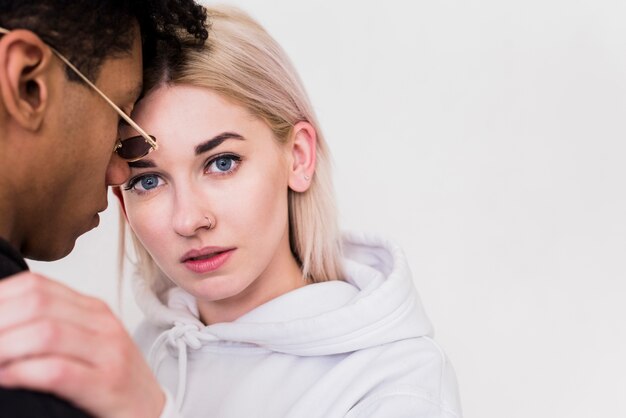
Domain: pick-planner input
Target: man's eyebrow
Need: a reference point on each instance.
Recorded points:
(145, 163)
(215, 141)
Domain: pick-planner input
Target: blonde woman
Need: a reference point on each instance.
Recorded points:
(255, 305)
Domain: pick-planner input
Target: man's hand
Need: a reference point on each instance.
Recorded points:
(53, 339)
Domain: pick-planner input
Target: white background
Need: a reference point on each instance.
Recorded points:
(486, 137)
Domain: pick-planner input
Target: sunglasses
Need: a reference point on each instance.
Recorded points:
(130, 149)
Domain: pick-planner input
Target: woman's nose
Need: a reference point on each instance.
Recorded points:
(190, 216)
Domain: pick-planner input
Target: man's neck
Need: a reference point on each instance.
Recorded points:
(16, 184)
(9, 199)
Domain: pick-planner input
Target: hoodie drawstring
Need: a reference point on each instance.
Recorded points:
(180, 336)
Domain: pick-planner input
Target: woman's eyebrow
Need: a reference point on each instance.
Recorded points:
(201, 148)
(215, 141)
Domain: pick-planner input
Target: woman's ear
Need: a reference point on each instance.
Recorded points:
(26, 72)
(303, 153)
(118, 193)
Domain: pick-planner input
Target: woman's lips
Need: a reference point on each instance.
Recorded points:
(206, 260)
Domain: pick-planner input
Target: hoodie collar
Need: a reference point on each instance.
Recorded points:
(378, 292)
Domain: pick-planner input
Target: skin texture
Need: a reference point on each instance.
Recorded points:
(188, 202)
(56, 141)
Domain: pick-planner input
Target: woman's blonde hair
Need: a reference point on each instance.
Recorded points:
(241, 61)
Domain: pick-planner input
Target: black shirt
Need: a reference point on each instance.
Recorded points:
(11, 261)
(24, 403)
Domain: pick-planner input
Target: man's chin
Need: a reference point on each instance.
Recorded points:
(59, 245)
(51, 248)
(54, 252)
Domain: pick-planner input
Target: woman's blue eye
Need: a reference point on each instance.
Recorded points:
(149, 182)
(223, 165)
(144, 183)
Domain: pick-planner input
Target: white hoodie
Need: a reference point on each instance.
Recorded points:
(354, 348)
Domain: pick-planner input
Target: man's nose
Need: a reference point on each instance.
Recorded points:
(118, 171)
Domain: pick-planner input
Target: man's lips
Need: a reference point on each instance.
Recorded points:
(96, 216)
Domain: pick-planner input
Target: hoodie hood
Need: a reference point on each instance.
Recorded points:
(375, 304)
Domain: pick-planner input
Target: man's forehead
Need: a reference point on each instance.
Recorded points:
(122, 75)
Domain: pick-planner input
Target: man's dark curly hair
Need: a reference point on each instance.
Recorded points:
(89, 31)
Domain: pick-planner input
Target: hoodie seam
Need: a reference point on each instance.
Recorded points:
(396, 315)
(444, 365)
(403, 391)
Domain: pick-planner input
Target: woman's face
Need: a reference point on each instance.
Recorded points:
(210, 205)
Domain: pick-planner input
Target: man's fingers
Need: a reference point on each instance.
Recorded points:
(28, 282)
(32, 307)
(52, 374)
(35, 298)
(46, 337)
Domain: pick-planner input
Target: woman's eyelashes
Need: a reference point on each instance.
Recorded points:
(221, 165)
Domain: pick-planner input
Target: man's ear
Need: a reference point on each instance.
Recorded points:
(118, 193)
(303, 143)
(26, 71)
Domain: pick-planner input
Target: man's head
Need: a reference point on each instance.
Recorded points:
(56, 133)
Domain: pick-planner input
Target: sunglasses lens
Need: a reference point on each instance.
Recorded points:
(134, 148)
